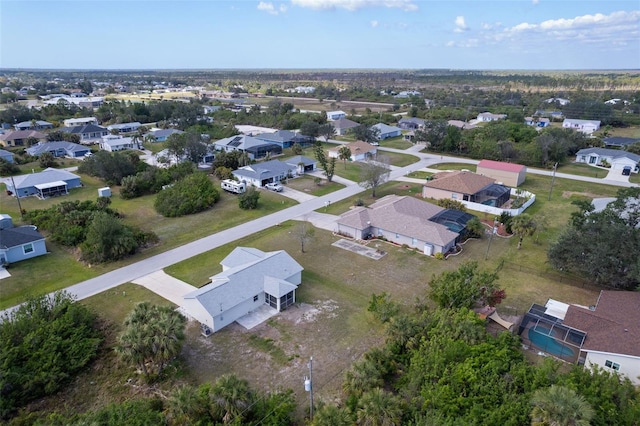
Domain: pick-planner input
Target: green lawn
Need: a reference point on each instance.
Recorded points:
(400, 160)
(308, 184)
(454, 166)
(398, 143)
(419, 175)
(582, 170)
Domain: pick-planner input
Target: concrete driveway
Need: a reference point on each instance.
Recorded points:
(165, 286)
(294, 194)
(617, 176)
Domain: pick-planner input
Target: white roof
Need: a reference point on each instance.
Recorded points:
(556, 309)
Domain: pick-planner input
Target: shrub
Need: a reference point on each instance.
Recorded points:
(249, 200)
(193, 194)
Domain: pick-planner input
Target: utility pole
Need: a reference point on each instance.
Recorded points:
(308, 386)
(494, 230)
(15, 192)
(553, 178)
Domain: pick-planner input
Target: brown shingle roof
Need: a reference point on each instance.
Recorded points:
(357, 147)
(22, 134)
(614, 326)
(460, 181)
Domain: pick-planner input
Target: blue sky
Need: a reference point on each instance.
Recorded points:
(205, 34)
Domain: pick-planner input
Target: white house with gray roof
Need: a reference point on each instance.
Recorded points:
(616, 158)
(385, 131)
(71, 122)
(124, 127)
(59, 149)
(260, 174)
(19, 242)
(113, 143)
(255, 148)
(584, 126)
(47, 183)
(250, 278)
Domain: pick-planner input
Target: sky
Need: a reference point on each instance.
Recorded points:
(313, 34)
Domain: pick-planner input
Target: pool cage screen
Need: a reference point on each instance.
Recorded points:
(548, 334)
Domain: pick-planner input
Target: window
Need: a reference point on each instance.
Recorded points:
(255, 298)
(454, 196)
(27, 248)
(613, 365)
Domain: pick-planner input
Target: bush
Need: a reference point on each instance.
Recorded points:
(193, 194)
(7, 168)
(249, 200)
(439, 256)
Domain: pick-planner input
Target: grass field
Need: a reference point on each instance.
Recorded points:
(397, 143)
(454, 166)
(307, 184)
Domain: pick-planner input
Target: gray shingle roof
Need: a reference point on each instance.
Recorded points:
(294, 161)
(87, 128)
(13, 237)
(70, 147)
(44, 177)
(613, 153)
(264, 170)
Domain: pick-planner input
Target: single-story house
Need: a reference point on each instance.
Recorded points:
(584, 126)
(385, 131)
(260, 174)
(208, 109)
(488, 116)
(343, 125)
(72, 122)
(461, 124)
(303, 164)
(83, 102)
(411, 123)
(560, 101)
(59, 149)
(617, 159)
(47, 183)
(407, 94)
(466, 186)
(19, 137)
(255, 148)
(19, 242)
(360, 150)
(554, 115)
(510, 174)
(403, 220)
(33, 125)
(161, 135)
(89, 133)
(124, 127)
(6, 156)
(537, 121)
(285, 138)
(618, 142)
(113, 143)
(250, 278)
(335, 115)
(606, 334)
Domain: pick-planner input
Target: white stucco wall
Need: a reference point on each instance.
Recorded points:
(629, 365)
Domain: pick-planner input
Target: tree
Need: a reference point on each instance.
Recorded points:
(374, 173)
(327, 131)
(523, 225)
(7, 168)
(344, 154)
(46, 159)
(108, 239)
(177, 145)
(328, 165)
(465, 287)
(366, 133)
(153, 335)
(230, 397)
(378, 407)
(192, 194)
(310, 128)
(249, 200)
(475, 228)
(304, 232)
(332, 415)
(560, 406)
(296, 148)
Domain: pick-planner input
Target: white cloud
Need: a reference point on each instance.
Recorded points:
(351, 5)
(461, 26)
(374, 24)
(267, 7)
(535, 2)
(283, 8)
(580, 23)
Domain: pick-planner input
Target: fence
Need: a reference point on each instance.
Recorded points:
(496, 211)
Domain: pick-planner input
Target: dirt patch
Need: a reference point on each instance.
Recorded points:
(569, 194)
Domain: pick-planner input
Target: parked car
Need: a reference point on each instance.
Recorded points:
(274, 186)
(626, 171)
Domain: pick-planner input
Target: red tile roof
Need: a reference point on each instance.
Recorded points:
(499, 165)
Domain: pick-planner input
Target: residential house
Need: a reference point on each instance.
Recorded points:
(336, 115)
(6, 156)
(407, 94)
(466, 186)
(208, 109)
(59, 149)
(113, 143)
(461, 124)
(83, 102)
(124, 127)
(255, 148)
(260, 174)
(47, 183)
(405, 220)
(487, 116)
(343, 125)
(303, 164)
(360, 151)
(33, 125)
(161, 135)
(614, 158)
(606, 334)
(19, 137)
(411, 123)
(560, 101)
(250, 279)
(584, 126)
(510, 174)
(385, 131)
(89, 133)
(537, 121)
(285, 138)
(72, 122)
(19, 242)
(618, 142)
(553, 115)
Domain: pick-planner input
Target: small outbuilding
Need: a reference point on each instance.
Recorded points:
(509, 174)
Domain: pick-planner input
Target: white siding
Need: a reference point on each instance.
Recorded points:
(629, 365)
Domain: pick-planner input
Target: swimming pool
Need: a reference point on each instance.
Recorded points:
(540, 337)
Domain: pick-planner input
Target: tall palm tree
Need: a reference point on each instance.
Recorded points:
(344, 153)
(230, 397)
(379, 408)
(523, 225)
(168, 336)
(560, 406)
(185, 406)
(331, 415)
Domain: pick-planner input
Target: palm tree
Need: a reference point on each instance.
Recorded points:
(331, 415)
(523, 225)
(475, 228)
(560, 406)
(168, 336)
(185, 405)
(344, 153)
(230, 397)
(379, 408)
(363, 376)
